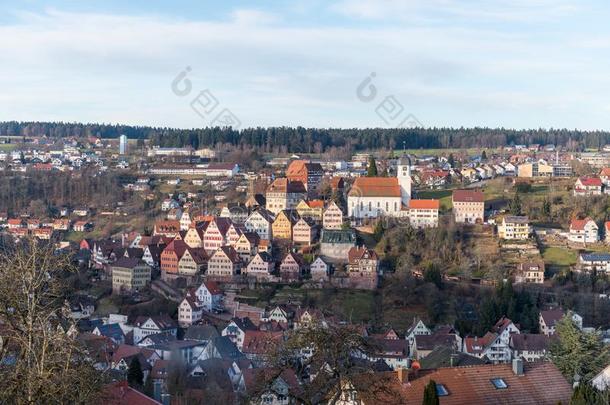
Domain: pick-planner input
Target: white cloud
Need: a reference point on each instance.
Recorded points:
(105, 67)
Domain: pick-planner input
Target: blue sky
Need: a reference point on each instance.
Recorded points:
(502, 63)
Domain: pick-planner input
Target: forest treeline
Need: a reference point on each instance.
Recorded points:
(317, 140)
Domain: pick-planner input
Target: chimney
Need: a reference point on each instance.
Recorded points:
(518, 366)
(453, 360)
(402, 374)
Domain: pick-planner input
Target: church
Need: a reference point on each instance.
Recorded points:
(371, 197)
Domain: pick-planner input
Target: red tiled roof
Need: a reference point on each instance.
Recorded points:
(121, 393)
(605, 172)
(476, 345)
(356, 253)
(315, 203)
(212, 287)
(579, 224)
(541, 383)
(260, 342)
(283, 185)
(590, 181)
(468, 196)
(375, 187)
(424, 204)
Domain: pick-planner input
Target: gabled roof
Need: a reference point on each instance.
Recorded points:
(161, 321)
(502, 324)
(226, 348)
(283, 185)
(111, 330)
(444, 356)
(541, 383)
(430, 342)
(424, 204)
(375, 187)
(127, 262)
(552, 316)
(201, 332)
(590, 181)
(244, 324)
(358, 253)
(468, 196)
(529, 342)
(513, 219)
(256, 379)
(120, 393)
(213, 287)
(230, 253)
(260, 342)
(579, 224)
(477, 345)
(605, 172)
(297, 258)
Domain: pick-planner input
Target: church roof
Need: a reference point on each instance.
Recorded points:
(375, 187)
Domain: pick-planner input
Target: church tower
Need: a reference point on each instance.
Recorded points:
(403, 172)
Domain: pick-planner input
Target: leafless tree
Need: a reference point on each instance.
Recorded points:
(335, 367)
(41, 360)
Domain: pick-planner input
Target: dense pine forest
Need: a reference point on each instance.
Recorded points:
(316, 140)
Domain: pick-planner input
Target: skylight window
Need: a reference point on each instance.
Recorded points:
(441, 390)
(499, 383)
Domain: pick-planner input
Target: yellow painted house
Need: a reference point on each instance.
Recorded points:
(312, 209)
(282, 225)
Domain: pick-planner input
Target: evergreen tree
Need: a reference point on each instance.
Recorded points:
(135, 377)
(577, 353)
(515, 205)
(484, 155)
(430, 394)
(432, 274)
(451, 160)
(372, 169)
(585, 394)
(546, 208)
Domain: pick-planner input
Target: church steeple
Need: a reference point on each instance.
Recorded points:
(403, 172)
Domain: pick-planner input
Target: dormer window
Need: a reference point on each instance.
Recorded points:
(441, 390)
(499, 383)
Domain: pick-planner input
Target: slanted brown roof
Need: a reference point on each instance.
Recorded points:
(261, 342)
(357, 253)
(468, 196)
(529, 342)
(283, 185)
(552, 316)
(541, 383)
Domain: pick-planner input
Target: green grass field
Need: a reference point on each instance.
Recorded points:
(560, 257)
(443, 195)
